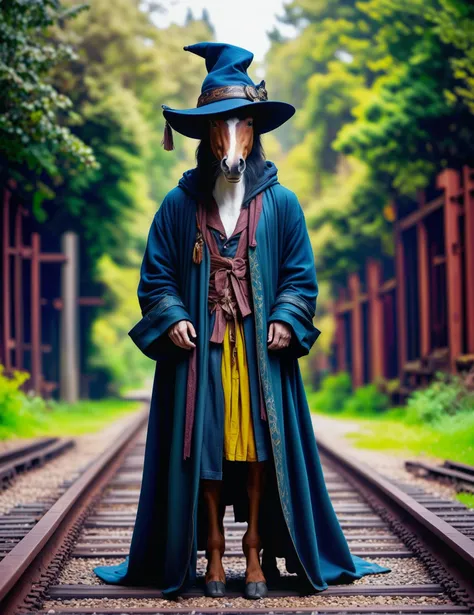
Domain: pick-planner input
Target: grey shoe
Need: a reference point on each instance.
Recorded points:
(255, 591)
(215, 589)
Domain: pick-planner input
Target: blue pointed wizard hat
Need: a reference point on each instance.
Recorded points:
(226, 88)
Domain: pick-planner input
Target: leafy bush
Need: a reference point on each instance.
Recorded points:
(19, 412)
(446, 396)
(25, 415)
(335, 390)
(367, 400)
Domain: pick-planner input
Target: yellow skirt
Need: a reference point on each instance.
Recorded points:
(239, 438)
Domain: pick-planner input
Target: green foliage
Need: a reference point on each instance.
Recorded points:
(446, 396)
(466, 498)
(437, 421)
(16, 407)
(335, 390)
(23, 415)
(33, 135)
(450, 438)
(367, 399)
(119, 78)
(117, 81)
(126, 365)
(336, 397)
(413, 123)
(387, 82)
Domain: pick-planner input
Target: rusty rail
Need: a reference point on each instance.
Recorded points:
(439, 539)
(21, 566)
(461, 474)
(378, 529)
(36, 453)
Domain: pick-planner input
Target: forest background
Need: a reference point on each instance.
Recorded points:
(384, 91)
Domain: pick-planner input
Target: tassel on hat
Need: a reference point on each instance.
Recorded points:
(167, 141)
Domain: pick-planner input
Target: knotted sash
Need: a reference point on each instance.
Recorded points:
(229, 290)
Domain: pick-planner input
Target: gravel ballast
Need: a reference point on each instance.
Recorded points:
(43, 483)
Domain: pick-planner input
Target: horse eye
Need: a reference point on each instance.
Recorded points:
(250, 123)
(213, 123)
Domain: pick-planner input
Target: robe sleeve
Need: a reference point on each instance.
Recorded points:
(158, 289)
(295, 301)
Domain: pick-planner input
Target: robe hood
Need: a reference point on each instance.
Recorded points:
(269, 177)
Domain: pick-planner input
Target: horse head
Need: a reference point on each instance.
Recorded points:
(231, 142)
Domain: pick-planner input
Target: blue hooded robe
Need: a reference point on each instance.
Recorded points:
(297, 520)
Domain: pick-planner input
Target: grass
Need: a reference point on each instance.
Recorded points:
(449, 438)
(61, 419)
(466, 498)
(392, 432)
(437, 421)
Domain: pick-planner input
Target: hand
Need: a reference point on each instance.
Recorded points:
(180, 333)
(279, 335)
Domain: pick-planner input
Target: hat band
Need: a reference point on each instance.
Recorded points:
(249, 92)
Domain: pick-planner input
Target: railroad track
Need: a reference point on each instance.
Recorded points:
(461, 474)
(32, 455)
(51, 572)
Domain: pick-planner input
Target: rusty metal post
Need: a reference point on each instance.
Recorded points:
(340, 347)
(18, 288)
(36, 376)
(69, 336)
(357, 334)
(449, 181)
(340, 334)
(423, 282)
(468, 183)
(376, 320)
(401, 301)
(6, 337)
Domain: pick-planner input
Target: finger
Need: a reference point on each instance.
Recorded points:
(185, 337)
(178, 335)
(191, 329)
(271, 331)
(275, 342)
(183, 341)
(177, 339)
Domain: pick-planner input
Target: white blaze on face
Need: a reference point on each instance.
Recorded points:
(232, 126)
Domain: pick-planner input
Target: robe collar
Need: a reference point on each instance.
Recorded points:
(249, 212)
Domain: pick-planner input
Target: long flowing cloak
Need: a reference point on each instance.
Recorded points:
(297, 519)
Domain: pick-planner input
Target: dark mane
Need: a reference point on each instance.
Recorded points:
(209, 167)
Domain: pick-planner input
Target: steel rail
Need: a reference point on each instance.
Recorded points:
(401, 609)
(21, 566)
(444, 542)
(32, 455)
(458, 473)
(392, 539)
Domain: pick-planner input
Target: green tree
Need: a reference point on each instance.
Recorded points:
(416, 119)
(384, 91)
(35, 143)
(118, 80)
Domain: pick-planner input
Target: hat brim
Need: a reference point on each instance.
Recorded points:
(268, 115)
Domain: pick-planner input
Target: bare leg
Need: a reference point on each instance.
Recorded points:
(216, 540)
(251, 542)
